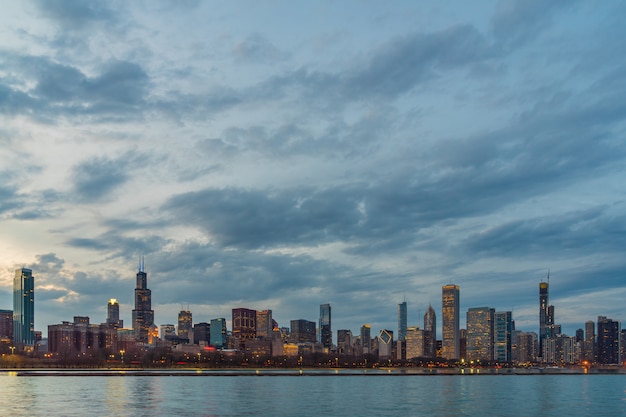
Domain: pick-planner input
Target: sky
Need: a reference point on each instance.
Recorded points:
(281, 155)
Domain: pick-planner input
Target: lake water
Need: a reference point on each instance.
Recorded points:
(323, 395)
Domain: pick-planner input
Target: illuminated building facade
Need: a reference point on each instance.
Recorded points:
(185, 325)
(24, 308)
(264, 324)
(244, 325)
(608, 340)
(113, 314)
(6, 326)
(480, 327)
(143, 315)
(451, 346)
(415, 346)
(167, 330)
(302, 331)
(326, 333)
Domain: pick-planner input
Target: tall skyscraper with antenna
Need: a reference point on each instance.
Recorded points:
(544, 315)
(143, 315)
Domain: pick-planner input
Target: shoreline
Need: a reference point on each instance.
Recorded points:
(310, 372)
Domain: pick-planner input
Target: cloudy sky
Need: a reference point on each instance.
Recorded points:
(280, 155)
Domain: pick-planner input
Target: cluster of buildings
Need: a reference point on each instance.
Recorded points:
(490, 336)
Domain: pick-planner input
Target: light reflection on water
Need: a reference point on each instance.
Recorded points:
(492, 395)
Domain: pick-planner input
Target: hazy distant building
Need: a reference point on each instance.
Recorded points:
(543, 314)
(503, 330)
(143, 315)
(430, 333)
(608, 338)
(167, 330)
(326, 333)
(589, 346)
(202, 333)
(451, 347)
(480, 330)
(6, 325)
(402, 321)
(345, 342)
(24, 308)
(366, 339)
(185, 325)
(218, 333)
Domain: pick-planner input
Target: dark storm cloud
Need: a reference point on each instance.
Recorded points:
(591, 231)
(336, 140)
(45, 89)
(9, 198)
(96, 178)
(393, 69)
(205, 274)
(116, 244)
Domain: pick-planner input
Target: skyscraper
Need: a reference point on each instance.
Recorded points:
(24, 308)
(6, 326)
(143, 315)
(480, 329)
(385, 344)
(430, 333)
(589, 350)
(113, 314)
(415, 343)
(326, 334)
(185, 325)
(218, 333)
(366, 339)
(302, 331)
(608, 341)
(402, 321)
(503, 330)
(244, 325)
(451, 346)
(264, 325)
(544, 315)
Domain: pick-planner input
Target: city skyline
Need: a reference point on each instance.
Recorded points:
(282, 156)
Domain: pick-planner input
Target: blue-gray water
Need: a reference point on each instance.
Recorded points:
(442, 395)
